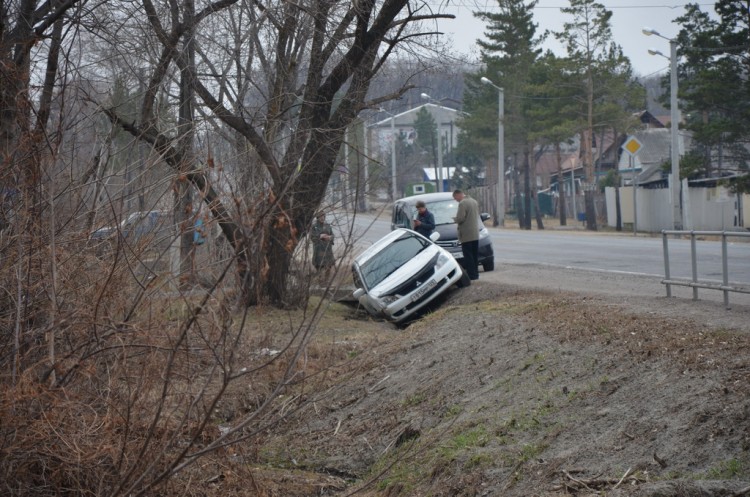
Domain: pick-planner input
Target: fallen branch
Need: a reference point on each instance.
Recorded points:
(621, 479)
(335, 432)
(596, 484)
(372, 388)
(576, 480)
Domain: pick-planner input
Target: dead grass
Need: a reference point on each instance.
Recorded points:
(154, 387)
(494, 391)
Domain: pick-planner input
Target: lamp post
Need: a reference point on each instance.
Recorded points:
(500, 214)
(439, 147)
(393, 157)
(393, 153)
(366, 169)
(674, 127)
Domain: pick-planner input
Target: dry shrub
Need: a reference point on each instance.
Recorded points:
(146, 379)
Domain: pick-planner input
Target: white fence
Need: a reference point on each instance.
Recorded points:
(712, 209)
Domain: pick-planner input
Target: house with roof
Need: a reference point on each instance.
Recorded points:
(646, 199)
(389, 127)
(608, 156)
(606, 149)
(645, 166)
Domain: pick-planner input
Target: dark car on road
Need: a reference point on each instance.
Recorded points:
(444, 207)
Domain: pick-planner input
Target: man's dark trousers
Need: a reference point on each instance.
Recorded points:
(471, 258)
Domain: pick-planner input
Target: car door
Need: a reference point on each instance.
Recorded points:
(401, 216)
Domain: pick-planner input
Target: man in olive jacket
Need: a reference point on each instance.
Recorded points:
(467, 221)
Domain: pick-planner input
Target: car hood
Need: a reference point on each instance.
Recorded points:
(447, 232)
(405, 272)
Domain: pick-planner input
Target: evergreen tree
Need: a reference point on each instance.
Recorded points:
(426, 128)
(714, 88)
(607, 92)
(553, 108)
(508, 54)
(468, 163)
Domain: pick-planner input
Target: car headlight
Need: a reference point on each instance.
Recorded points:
(389, 299)
(442, 260)
(484, 233)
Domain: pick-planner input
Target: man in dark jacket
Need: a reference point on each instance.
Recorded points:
(424, 224)
(321, 235)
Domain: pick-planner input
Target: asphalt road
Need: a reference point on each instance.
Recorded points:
(622, 253)
(601, 251)
(577, 259)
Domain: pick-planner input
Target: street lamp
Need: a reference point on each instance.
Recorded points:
(439, 147)
(674, 116)
(500, 214)
(393, 153)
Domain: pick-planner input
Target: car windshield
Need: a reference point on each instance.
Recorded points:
(443, 210)
(392, 257)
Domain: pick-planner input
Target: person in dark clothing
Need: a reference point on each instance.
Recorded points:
(321, 235)
(424, 224)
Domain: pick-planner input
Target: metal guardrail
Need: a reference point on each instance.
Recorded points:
(724, 285)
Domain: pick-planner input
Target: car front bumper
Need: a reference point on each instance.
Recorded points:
(399, 307)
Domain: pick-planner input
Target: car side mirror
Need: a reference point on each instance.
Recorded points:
(484, 216)
(358, 293)
(434, 236)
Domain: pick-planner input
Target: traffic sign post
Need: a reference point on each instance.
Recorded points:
(632, 146)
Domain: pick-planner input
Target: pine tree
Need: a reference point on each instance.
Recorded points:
(426, 128)
(606, 89)
(553, 108)
(508, 54)
(714, 88)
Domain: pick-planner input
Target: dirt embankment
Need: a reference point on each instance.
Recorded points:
(511, 390)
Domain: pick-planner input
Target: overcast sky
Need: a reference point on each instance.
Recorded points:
(628, 19)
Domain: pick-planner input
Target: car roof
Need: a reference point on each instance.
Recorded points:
(427, 197)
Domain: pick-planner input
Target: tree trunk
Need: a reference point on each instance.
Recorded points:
(588, 158)
(517, 192)
(534, 195)
(588, 199)
(183, 190)
(561, 185)
(24, 147)
(539, 222)
(526, 191)
(618, 226)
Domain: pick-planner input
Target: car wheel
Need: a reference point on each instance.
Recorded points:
(464, 281)
(489, 264)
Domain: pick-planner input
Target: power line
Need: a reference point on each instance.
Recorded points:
(493, 5)
(609, 7)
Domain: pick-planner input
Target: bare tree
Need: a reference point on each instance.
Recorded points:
(316, 62)
(112, 380)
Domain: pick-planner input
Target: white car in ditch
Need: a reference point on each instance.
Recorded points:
(402, 272)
